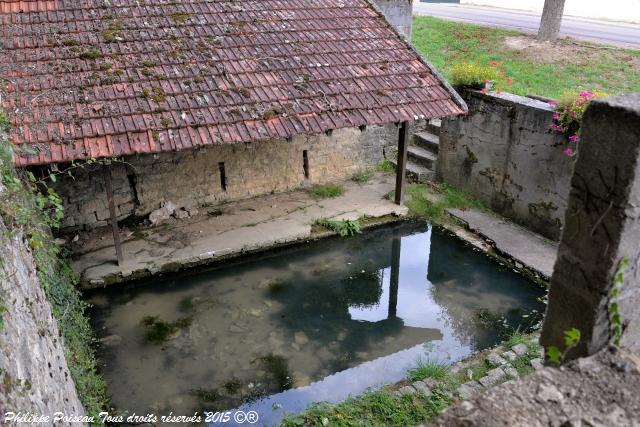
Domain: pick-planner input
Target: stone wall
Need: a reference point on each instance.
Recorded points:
(503, 153)
(192, 178)
(399, 13)
(34, 377)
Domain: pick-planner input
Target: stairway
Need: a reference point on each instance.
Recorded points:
(422, 153)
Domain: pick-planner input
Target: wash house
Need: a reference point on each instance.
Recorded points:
(203, 102)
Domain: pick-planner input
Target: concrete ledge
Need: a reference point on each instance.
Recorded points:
(227, 231)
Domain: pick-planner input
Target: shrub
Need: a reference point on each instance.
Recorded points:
(568, 117)
(474, 76)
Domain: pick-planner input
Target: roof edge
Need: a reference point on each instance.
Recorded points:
(456, 97)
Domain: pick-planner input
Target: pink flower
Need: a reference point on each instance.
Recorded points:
(556, 116)
(568, 151)
(586, 94)
(484, 90)
(574, 138)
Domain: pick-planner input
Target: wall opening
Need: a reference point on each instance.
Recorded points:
(305, 163)
(223, 176)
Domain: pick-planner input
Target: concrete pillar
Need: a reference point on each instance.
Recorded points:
(399, 13)
(602, 230)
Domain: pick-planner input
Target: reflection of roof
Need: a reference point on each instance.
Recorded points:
(95, 78)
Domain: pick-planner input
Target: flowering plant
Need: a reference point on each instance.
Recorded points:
(568, 117)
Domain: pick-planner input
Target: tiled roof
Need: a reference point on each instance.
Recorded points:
(104, 78)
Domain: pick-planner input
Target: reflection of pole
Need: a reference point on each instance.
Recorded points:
(395, 276)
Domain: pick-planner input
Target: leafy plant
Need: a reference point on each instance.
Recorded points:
(614, 308)
(326, 191)
(428, 369)
(571, 341)
(344, 228)
(567, 118)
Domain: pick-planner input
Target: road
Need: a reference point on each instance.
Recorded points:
(613, 33)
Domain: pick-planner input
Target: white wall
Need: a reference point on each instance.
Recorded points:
(617, 10)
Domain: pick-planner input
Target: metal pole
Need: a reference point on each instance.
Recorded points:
(403, 144)
(112, 214)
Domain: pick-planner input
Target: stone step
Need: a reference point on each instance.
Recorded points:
(422, 157)
(418, 173)
(427, 140)
(433, 126)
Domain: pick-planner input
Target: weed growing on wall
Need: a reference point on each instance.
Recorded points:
(27, 210)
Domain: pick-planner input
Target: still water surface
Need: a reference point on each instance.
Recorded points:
(317, 322)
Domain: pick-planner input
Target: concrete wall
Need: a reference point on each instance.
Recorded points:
(503, 153)
(192, 178)
(34, 377)
(618, 10)
(399, 13)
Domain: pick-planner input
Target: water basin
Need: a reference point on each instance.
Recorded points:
(310, 323)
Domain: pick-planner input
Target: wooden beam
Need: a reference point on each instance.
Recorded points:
(394, 280)
(403, 144)
(112, 214)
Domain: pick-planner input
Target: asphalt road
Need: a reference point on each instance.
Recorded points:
(613, 33)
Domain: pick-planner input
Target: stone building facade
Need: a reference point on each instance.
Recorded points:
(220, 173)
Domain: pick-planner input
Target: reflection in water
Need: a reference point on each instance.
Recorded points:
(318, 322)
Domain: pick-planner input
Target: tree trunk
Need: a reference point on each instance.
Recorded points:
(551, 19)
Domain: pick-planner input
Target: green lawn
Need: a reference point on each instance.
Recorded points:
(539, 69)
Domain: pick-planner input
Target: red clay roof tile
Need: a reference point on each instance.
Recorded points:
(95, 79)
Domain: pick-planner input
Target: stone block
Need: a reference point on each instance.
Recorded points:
(520, 349)
(423, 387)
(495, 360)
(469, 389)
(493, 377)
(509, 355)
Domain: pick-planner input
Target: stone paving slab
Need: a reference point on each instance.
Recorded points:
(223, 231)
(532, 250)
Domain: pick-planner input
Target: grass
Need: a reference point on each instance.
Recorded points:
(385, 408)
(428, 369)
(362, 176)
(433, 210)
(374, 408)
(326, 191)
(517, 337)
(546, 70)
(386, 166)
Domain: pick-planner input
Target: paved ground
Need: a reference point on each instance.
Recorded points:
(224, 231)
(620, 34)
(530, 249)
